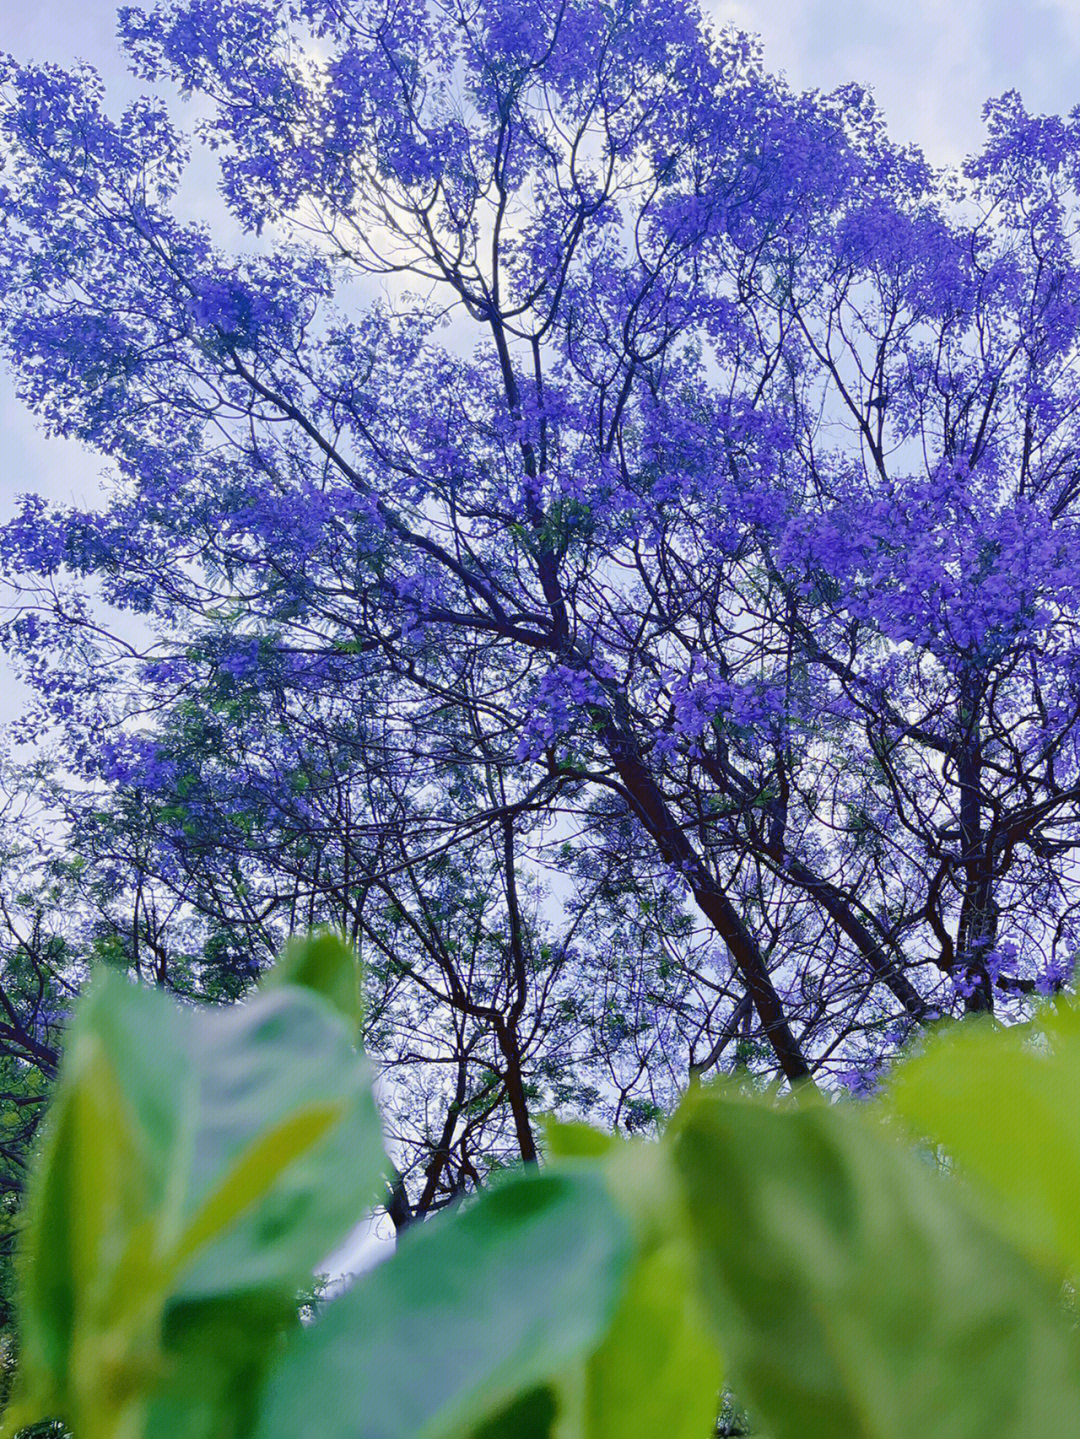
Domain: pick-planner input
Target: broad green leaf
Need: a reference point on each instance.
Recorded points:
(90, 1308)
(196, 1160)
(1005, 1104)
(569, 1139)
(854, 1292)
(324, 963)
(472, 1311)
(254, 1174)
(531, 1415)
(269, 1072)
(658, 1370)
(219, 1352)
(293, 1140)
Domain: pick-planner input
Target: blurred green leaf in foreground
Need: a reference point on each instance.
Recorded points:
(199, 1165)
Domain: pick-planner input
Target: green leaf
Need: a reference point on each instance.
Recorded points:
(658, 1368)
(91, 1297)
(567, 1139)
(531, 1415)
(324, 963)
(1005, 1104)
(855, 1293)
(196, 1161)
(269, 1070)
(472, 1311)
(219, 1352)
(658, 1371)
(255, 1173)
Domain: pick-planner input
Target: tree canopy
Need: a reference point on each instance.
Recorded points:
(607, 541)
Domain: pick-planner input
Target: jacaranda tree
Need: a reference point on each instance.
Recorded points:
(602, 465)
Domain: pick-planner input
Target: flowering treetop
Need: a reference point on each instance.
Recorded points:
(702, 445)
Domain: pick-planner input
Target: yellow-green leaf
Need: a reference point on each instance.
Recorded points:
(853, 1290)
(1005, 1105)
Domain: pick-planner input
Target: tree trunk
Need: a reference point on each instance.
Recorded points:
(677, 851)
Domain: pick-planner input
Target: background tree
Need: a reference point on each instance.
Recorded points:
(605, 466)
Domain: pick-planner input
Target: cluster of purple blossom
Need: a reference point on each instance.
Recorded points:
(756, 494)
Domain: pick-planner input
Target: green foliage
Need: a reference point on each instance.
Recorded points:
(326, 964)
(1005, 1104)
(199, 1166)
(658, 1369)
(855, 1292)
(509, 1292)
(181, 1200)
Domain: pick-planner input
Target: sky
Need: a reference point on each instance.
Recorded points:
(930, 63)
